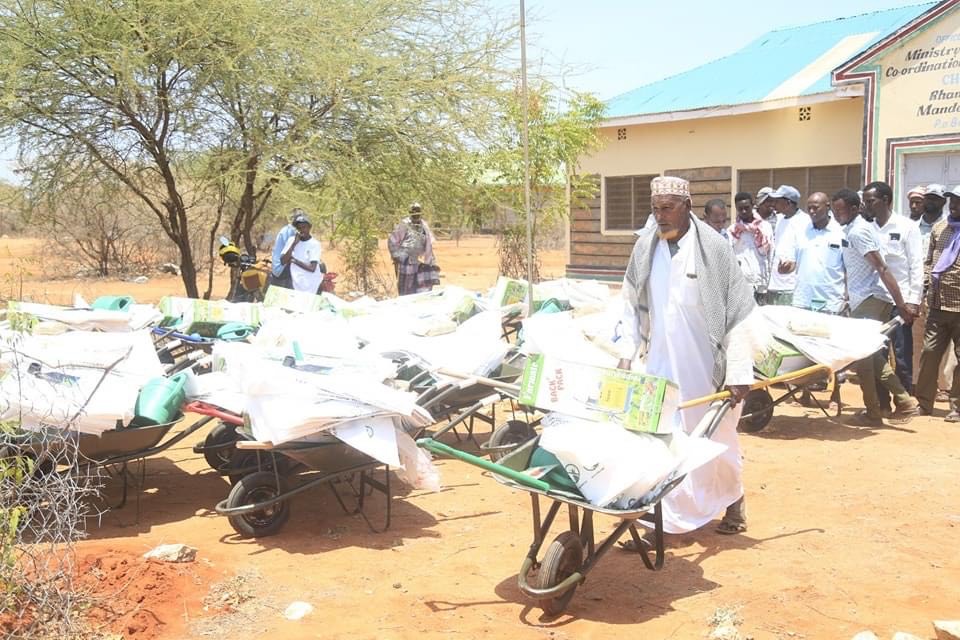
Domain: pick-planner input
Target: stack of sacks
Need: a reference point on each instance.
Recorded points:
(286, 403)
(345, 398)
(430, 313)
(58, 381)
(475, 346)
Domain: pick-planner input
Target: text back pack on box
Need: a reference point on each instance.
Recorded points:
(636, 401)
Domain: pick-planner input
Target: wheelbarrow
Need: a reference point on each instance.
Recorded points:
(759, 404)
(258, 505)
(574, 553)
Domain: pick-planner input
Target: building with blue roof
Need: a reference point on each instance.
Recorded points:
(819, 107)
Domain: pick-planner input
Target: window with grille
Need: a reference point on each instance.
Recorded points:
(626, 202)
(829, 179)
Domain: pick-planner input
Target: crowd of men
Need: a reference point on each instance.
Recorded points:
(851, 253)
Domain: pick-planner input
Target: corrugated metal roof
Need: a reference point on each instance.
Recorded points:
(784, 63)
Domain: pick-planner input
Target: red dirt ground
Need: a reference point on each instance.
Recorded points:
(851, 528)
(141, 599)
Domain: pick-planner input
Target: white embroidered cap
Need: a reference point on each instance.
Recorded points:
(669, 186)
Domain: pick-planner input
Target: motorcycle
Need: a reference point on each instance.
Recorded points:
(249, 277)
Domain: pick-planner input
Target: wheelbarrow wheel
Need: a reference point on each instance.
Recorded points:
(215, 451)
(757, 411)
(254, 489)
(512, 432)
(564, 557)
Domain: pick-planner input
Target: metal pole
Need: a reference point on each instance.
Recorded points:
(526, 154)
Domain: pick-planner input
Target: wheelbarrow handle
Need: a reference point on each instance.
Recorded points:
(517, 476)
(759, 384)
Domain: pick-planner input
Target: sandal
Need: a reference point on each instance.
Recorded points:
(631, 545)
(728, 528)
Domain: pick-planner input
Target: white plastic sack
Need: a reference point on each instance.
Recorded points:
(607, 463)
(71, 367)
(376, 437)
(68, 399)
(849, 340)
(417, 470)
(475, 345)
(318, 333)
(561, 333)
(78, 319)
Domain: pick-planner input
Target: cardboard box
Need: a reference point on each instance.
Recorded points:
(780, 358)
(634, 400)
(509, 292)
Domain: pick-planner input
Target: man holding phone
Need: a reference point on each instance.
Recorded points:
(302, 253)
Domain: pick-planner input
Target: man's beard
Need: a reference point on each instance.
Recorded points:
(668, 235)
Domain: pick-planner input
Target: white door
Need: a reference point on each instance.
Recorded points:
(921, 169)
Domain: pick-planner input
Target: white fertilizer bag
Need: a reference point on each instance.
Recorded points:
(605, 460)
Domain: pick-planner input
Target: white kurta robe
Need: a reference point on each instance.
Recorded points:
(680, 351)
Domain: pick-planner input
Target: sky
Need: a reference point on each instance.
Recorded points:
(607, 47)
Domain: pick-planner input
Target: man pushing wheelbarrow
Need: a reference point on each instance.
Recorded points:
(685, 309)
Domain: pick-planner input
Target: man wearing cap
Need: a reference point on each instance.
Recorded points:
(915, 199)
(790, 220)
(900, 245)
(752, 238)
(302, 254)
(866, 269)
(943, 300)
(765, 206)
(411, 248)
(280, 272)
(686, 304)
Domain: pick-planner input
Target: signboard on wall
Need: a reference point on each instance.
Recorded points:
(920, 83)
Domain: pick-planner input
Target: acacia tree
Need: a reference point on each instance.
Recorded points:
(178, 100)
(558, 134)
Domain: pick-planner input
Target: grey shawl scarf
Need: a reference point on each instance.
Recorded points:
(725, 293)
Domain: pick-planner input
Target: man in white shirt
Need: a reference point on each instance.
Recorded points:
(866, 268)
(302, 253)
(900, 244)
(815, 254)
(790, 219)
(752, 239)
(686, 306)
